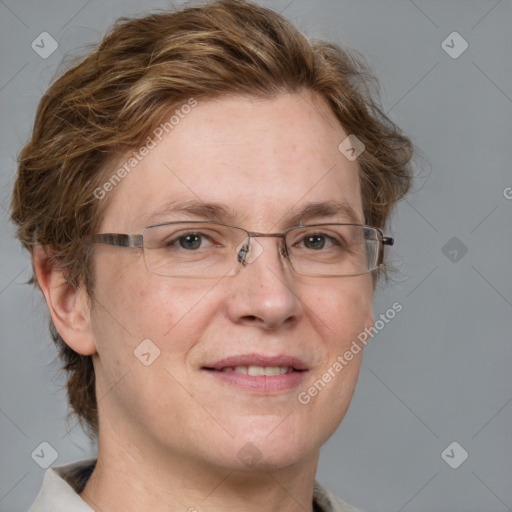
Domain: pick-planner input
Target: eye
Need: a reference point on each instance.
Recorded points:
(190, 241)
(318, 241)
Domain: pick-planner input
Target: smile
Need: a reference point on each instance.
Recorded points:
(259, 370)
(257, 374)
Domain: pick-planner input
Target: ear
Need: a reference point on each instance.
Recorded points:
(69, 306)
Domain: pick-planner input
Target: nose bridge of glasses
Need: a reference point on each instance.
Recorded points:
(249, 251)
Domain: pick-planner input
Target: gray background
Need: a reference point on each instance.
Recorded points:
(440, 370)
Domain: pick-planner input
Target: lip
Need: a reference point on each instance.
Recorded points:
(257, 360)
(261, 384)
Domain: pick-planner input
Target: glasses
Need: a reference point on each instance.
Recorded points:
(212, 250)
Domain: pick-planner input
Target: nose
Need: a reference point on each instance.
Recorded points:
(263, 292)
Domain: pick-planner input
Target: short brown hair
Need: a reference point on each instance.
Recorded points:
(110, 101)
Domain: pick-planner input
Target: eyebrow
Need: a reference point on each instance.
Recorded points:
(218, 212)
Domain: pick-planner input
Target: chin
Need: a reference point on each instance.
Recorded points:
(267, 451)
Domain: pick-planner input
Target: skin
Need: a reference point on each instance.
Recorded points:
(170, 432)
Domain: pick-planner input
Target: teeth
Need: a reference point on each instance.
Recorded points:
(259, 370)
(267, 370)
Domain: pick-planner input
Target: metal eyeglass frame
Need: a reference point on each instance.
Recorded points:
(137, 240)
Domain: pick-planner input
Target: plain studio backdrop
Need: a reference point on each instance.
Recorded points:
(429, 426)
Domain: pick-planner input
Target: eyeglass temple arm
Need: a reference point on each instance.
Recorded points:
(386, 240)
(117, 239)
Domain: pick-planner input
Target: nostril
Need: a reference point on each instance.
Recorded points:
(251, 318)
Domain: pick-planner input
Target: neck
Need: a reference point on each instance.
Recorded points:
(136, 476)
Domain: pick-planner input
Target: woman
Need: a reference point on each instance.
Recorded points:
(203, 197)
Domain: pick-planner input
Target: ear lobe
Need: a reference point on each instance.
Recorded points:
(68, 305)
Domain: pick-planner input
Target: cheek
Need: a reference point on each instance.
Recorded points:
(342, 313)
(339, 314)
(132, 300)
(131, 305)
(135, 313)
(344, 310)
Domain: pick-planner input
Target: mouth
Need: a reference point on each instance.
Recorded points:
(257, 373)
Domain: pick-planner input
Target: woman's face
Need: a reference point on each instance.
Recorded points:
(264, 161)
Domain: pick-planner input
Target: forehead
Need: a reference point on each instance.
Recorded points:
(260, 160)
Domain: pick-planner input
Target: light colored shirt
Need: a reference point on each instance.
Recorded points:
(61, 485)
